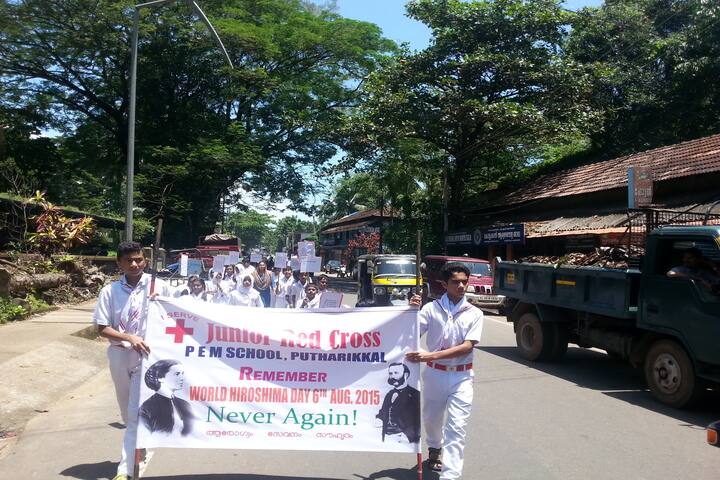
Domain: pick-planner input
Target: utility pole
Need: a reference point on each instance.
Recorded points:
(133, 90)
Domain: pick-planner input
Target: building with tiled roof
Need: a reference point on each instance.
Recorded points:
(587, 206)
(335, 236)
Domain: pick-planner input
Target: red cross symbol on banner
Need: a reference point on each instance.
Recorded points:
(179, 330)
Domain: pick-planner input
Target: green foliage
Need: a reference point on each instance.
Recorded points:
(492, 86)
(37, 305)
(251, 227)
(204, 131)
(9, 311)
(277, 238)
(656, 68)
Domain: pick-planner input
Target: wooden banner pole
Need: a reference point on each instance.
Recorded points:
(419, 466)
(156, 248)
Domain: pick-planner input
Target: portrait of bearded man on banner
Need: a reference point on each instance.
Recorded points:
(400, 411)
(164, 412)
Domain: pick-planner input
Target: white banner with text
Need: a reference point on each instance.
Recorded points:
(222, 376)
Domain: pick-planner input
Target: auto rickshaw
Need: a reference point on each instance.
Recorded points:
(385, 280)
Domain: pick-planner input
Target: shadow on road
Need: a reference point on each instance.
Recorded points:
(91, 471)
(614, 378)
(401, 474)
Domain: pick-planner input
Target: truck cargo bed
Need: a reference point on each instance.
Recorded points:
(601, 291)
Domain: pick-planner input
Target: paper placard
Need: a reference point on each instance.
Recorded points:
(218, 263)
(183, 265)
(311, 264)
(195, 266)
(295, 263)
(280, 260)
(255, 257)
(306, 249)
(234, 258)
(331, 300)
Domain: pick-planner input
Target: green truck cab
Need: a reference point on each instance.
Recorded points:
(669, 326)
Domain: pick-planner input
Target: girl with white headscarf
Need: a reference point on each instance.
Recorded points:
(245, 295)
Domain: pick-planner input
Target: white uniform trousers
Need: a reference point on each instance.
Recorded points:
(447, 401)
(126, 369)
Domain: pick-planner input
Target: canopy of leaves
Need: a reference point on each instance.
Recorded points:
(493, 84)
(203, 131)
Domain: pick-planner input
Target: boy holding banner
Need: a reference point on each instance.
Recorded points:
(119, 315)
(453, 327)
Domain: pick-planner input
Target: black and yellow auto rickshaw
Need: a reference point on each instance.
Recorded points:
(385, 280)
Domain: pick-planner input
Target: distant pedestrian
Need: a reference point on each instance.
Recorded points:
(245, 295)
(312, 299)
(262, 281)
(297, 290)
(283, 288)
(120, 316)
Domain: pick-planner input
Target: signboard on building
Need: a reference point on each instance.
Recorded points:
(458, 238)
(505, 235)
(640, 187)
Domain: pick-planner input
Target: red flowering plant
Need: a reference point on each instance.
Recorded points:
(370, 242)
(54, 232)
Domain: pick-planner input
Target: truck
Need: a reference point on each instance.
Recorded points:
(208, 247)
(669, 326)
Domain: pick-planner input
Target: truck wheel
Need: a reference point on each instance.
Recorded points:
(561, 334)
(670, 374)
(535, 340)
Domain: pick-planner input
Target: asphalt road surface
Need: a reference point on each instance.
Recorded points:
(586, 417)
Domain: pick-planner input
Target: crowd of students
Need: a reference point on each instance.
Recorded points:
(256, 286)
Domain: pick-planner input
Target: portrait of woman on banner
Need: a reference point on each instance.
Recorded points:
(164, 412)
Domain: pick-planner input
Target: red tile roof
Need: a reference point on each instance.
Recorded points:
(694, 157)
(356, 216)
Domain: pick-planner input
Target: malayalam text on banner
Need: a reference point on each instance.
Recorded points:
(222, 376)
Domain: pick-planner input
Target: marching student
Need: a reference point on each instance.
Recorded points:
(312, 298)
(297, 291)
(322, 283)
(195, 290)
(282, 290)
(245, 295)
(262, 281)
(120, 314)
(453, 327)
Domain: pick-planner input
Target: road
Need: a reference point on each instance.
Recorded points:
(586, 417)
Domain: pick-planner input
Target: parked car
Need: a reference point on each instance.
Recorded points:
(479, 291)
(332, 266)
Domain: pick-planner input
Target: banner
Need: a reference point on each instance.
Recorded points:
(221, 376)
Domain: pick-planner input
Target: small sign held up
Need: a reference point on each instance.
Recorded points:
(331, 300)
(234, 258)
(183, 265)
(218, 263)
(280, 260)
(295, 263)
(255, 257)
(311, 264)
(306, 249)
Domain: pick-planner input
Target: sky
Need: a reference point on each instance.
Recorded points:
(389, 15)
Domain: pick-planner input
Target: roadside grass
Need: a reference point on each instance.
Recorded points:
(11, 312)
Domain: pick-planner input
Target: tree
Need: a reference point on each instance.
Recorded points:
(286, 227)
(251, 227)
(492, 85)
(202, 129)
(656, 71)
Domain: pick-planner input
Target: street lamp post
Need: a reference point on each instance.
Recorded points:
(131, 107)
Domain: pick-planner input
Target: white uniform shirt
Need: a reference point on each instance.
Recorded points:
(298, 290)
(445, 329)
(249, 299)
(113, 297)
